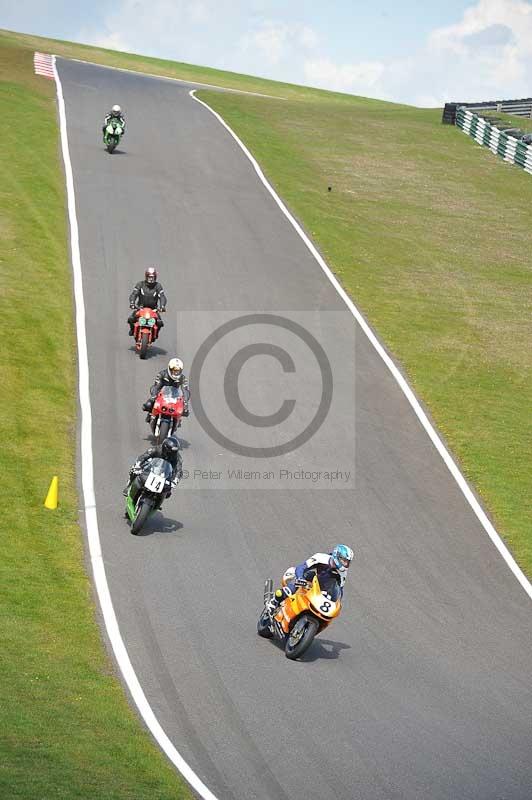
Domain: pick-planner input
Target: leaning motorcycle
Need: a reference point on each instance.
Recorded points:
(147, 492)
(301, 615)
(112, 135)
(145, 330)
(167, 412)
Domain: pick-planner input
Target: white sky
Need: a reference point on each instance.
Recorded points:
(410, 51)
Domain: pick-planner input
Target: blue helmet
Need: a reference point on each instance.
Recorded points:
(342, 555)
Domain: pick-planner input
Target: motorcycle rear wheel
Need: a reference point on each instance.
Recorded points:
(141, 518)
(144, 342)
(301, 637)
(263, 626)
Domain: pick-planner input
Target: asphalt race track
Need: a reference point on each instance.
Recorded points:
(421, 689)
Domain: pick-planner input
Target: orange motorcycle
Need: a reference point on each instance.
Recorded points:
(301, 615)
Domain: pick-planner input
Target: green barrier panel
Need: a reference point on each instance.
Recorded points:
(501, 145)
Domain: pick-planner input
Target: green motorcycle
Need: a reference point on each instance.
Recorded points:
(147, 492)
(112, 134)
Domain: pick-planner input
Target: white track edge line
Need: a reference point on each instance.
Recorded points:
(87, 478)
(403, 384)
(169, 78)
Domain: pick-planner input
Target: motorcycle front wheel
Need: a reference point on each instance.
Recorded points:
(301, 637)
(144, 342)
(164, 430)
(140, 520)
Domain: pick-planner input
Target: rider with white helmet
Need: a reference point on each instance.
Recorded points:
(115, 114)
(173, 375)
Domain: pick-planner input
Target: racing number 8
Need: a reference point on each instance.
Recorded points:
(325, 607)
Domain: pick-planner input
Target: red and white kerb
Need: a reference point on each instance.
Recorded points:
(43, 65)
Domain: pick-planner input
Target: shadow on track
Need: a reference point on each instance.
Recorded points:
(323, 648)
(159, 524)
(153, 351)
(150, 438)
(319, 649)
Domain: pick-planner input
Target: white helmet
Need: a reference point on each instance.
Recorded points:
(175, 368)
(116, 111)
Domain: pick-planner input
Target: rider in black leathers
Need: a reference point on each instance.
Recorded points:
(147, 294)
(170, 450)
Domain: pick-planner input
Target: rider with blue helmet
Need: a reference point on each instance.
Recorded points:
(326, 566)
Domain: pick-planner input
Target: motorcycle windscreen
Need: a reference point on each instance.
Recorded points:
(171, 393)
(330, 586)
(159, 467)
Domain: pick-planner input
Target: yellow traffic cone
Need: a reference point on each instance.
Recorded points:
(51, 497)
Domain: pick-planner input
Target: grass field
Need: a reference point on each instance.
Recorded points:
(427, 231)
(67, 728)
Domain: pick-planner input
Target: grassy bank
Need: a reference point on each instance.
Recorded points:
(159, 66)
(67, 728)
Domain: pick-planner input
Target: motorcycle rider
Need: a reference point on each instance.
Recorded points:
(115, 114)
(325, 565)
(147, 294)
(173, 375)
(170, 450)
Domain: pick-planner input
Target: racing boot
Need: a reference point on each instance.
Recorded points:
(147, 406)
(273, 604)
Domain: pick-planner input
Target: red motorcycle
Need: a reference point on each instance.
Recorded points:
(167, 412)
(145, 330)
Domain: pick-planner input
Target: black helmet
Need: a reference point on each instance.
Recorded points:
(171, 446)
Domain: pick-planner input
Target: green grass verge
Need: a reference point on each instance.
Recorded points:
(68, 730)
(175, 69)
